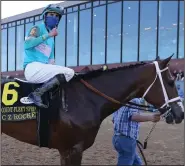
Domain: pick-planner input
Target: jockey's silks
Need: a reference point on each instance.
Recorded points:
(38, 45)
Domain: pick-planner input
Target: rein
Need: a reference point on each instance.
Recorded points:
(116, 101)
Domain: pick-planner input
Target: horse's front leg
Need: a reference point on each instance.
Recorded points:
(70, 160)
(73, 157)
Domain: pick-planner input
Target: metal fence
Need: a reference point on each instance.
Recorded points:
(78, 9)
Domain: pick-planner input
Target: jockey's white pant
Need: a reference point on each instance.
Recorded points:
(37, 72)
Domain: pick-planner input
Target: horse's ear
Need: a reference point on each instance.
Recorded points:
(165, 62)
(104, 67)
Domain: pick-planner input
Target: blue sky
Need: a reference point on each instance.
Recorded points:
(7, 6)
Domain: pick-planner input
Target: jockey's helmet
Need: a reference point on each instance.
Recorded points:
(47, 14)
(53, 8)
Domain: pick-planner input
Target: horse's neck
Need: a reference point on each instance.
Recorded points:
(121, 85)
(112, 85)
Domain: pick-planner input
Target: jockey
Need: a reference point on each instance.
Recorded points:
(39, 64)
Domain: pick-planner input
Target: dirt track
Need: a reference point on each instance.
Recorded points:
(166, 147)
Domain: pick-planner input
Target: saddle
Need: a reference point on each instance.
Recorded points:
(21, 88)
(15, 92)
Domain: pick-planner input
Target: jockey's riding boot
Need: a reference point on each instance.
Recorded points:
(37, 94)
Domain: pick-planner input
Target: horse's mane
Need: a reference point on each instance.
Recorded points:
(95, 73)
(88, 73)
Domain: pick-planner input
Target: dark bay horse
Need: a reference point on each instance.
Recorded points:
(93, 96)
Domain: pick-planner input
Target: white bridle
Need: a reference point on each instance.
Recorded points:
(167, 100)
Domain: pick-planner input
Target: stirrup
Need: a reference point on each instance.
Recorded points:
(42, 105)
(39, 104)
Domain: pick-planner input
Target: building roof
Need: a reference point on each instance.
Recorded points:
(38, 11)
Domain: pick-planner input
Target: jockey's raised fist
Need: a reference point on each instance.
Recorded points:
(53, 32)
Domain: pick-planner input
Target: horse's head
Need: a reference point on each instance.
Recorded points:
(162, 92)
